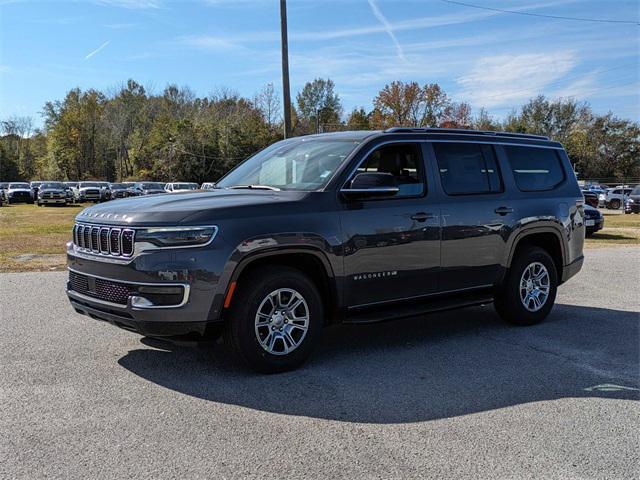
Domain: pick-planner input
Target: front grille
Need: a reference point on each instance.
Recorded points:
(106, 290)
(104, 240)
(51, 195)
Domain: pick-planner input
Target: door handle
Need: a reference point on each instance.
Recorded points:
(422, 216)
(503, 210)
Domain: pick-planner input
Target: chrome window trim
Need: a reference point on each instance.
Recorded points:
(185, 296)
(429, 140)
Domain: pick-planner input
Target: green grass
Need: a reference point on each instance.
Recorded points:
(33, 238)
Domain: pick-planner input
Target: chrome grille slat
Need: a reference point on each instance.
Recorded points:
(114, 241)
(104, 240)
(95, 247)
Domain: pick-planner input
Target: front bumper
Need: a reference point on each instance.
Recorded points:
(598, 223)
(632, 208)
(196, 270)
(52, 201)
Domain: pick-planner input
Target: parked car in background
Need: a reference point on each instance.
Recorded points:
(3, 190)
(632, 203)
(35, 185)
(616, 196)
(19, 192)
(590, 198)
(89, 192)
(208, 186)
(342, 227)
(593, 220)
(52, 193)
(146, 188)
(118, 190)
(175, 187)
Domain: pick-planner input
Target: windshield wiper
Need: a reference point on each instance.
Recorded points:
(255, 187)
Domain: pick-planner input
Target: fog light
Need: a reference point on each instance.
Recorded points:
(141, 302)
(160, 296)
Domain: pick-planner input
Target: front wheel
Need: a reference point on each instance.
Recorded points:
(275, 319)
(529, 290)
(615, 204)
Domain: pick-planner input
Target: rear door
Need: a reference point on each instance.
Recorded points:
(392, 245)
(476, 214)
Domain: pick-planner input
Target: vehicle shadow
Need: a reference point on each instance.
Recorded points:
(419, 369)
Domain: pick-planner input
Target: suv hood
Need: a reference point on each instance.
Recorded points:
(19, 190)
(185, 208)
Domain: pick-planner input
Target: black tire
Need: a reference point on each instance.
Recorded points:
(615, 204)
(589, 233)
(508, 302)
(240, 330)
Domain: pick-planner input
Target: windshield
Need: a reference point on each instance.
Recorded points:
(295, 164)
(185, 186)
(636, 190)
(117, 186)
(19, 185)
(152, 186)
(58, 185)
(89, 184)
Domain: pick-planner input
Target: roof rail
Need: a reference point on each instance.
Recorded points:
(463, 131)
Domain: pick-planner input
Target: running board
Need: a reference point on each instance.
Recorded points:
(412, 308)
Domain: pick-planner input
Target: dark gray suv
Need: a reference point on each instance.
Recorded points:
(343, 227)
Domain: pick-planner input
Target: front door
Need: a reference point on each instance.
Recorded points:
(392, 245)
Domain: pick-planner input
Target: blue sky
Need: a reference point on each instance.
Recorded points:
(492, 59)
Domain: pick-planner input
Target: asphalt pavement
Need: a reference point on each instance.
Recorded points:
(454, 395)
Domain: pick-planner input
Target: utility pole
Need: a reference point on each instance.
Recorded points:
(286, 96)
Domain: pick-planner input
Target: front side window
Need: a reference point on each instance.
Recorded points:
(467, 168)
(535, 169)
(403, 161)
(295, 164)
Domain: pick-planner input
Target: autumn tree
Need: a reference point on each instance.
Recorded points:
(318, 104)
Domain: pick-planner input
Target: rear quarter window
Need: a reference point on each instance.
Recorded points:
(535, 169)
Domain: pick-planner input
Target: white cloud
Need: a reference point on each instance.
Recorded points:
(387, 27)
(507, 79)
(91, 54)
(131, 4)
(208, 42)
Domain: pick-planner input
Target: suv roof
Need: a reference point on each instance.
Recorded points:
(482, 134)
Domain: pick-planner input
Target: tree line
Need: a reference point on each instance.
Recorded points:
(130, 133)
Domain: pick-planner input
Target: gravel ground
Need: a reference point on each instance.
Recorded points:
(456, 395)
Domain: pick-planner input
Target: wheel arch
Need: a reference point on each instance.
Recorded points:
(548, 238)
(308, 260)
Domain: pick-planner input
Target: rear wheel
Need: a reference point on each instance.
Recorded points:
(529, 289)
(275, 319)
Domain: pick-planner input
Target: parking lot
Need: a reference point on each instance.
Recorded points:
(457, 395)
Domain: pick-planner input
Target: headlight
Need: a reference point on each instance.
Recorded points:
(177, 236)
(630, 200)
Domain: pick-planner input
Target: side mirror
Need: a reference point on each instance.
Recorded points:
(371, 184)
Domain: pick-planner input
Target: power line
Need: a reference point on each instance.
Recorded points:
(530, 14)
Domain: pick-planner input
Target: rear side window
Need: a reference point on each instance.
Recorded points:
(467, 168)
(535, 169)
